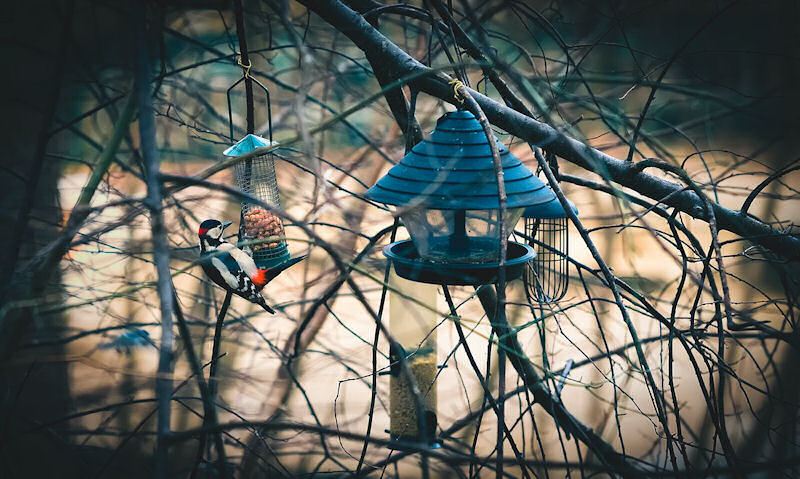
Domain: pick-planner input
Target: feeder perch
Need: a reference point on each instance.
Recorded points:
(445, 191)
(261, 232)
(547, 275)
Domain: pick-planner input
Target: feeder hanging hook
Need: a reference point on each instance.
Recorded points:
(457, 85)
(245, 68)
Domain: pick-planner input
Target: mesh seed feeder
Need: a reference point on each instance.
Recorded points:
(261, 231)
(547, 275)
(445, 192)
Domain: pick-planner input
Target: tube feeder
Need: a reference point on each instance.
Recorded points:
(412, 325)
(547, 275)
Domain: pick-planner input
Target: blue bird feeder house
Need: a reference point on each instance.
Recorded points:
(445, 192)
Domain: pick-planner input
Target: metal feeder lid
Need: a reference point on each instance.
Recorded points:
(247, 144)
(550, 210)
(453, 169)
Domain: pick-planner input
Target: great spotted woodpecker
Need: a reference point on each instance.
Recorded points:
(233, 269)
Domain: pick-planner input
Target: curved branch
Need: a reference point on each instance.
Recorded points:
(399, 64)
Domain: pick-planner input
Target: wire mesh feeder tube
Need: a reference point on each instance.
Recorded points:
(261, 231)
(413, 327)
(547, 275)
(547, 230)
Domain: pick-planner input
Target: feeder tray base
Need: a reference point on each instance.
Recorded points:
(408, 265)
(402, 443)
(275, 257)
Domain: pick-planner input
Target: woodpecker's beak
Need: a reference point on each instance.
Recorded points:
(226, 224)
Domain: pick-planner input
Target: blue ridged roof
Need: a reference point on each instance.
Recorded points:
(247, 144)
(453, 169)
(550, 210)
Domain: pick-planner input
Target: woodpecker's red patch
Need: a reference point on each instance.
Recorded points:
(260, 278)
(202, 231)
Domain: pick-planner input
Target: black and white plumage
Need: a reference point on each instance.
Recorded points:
(231, 268)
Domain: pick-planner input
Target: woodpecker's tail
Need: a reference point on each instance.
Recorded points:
(272, 273)
(264, 305)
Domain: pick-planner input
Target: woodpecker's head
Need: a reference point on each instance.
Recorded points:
(210, 234)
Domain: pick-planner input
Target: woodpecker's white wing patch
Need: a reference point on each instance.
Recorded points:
(229, 278)
(243, 259)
